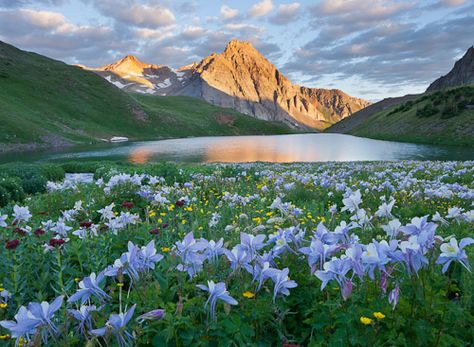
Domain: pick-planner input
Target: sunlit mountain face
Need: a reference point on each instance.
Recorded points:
(368, 49)
(240, 78)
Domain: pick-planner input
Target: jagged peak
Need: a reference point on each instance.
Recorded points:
(235, 45)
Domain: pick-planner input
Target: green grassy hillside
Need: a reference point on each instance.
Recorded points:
(46, 103)
(443, 117)
(180, 116)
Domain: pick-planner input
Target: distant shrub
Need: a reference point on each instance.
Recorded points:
(35, 184)
(31, 176)
(4, 197)
(52, 172)
(427, 111)
(81, 167)
(13, 187)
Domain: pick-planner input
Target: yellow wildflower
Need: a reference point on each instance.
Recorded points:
(379, 315)
(3, 305)
(365, 320)
(165, 249)
(248, 295)
(119, 285)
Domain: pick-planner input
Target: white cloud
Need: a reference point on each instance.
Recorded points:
(42, 19)
(261, 9)
(228, 13)
(141, 15)
(286, 13)
(244, 28)
(192, 33)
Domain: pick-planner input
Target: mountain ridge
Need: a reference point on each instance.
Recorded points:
(461, 74)
(242, 79)
(443, 114)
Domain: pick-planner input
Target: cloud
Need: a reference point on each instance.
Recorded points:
(286, 13)
(390, 54)
(192, 33)
(244, 29)
(22, 3)
(261, 9)
(141, 15)
(50, 33)
(452, 2)
(228, 13)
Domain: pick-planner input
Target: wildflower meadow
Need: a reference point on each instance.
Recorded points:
(334, 254)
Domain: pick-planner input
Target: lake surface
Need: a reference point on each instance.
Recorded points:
(272, 148)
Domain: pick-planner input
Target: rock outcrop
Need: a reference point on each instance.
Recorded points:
(461, 74)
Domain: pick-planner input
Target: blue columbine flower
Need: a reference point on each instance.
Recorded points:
(251, 244)
(282, 283)
(117, 324)
(217, 291)
(24, 325)
(84, 317)
(238, 257)
(149, 257)
(453, 252)
(334, 269)
(35, 316)
(90, 286)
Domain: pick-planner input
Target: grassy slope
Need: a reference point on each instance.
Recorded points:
(434, 118)
(48, 102)
(180, 116)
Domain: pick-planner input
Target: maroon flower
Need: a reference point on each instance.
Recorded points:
(164, 225)
(56, 242)
(20, 231)
(179, 203)
(85, 224)
(12, 244)
(127, 204)
(154, 231)
(39, 232)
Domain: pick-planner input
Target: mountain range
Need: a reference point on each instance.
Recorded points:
(45, 103)
(239, 78)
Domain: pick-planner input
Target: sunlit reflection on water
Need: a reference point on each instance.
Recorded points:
(277, 148)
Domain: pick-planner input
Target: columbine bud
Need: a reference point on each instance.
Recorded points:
(156, 315)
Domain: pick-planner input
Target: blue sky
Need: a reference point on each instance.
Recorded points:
(370, 49)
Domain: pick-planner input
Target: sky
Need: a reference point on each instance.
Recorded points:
(369, 49)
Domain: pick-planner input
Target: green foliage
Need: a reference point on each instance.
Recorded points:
(427, 111)
(10, 190)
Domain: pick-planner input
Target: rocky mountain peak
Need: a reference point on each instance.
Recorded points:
(239, 46)
(128, 64)
(240, 78)
(461, 74)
